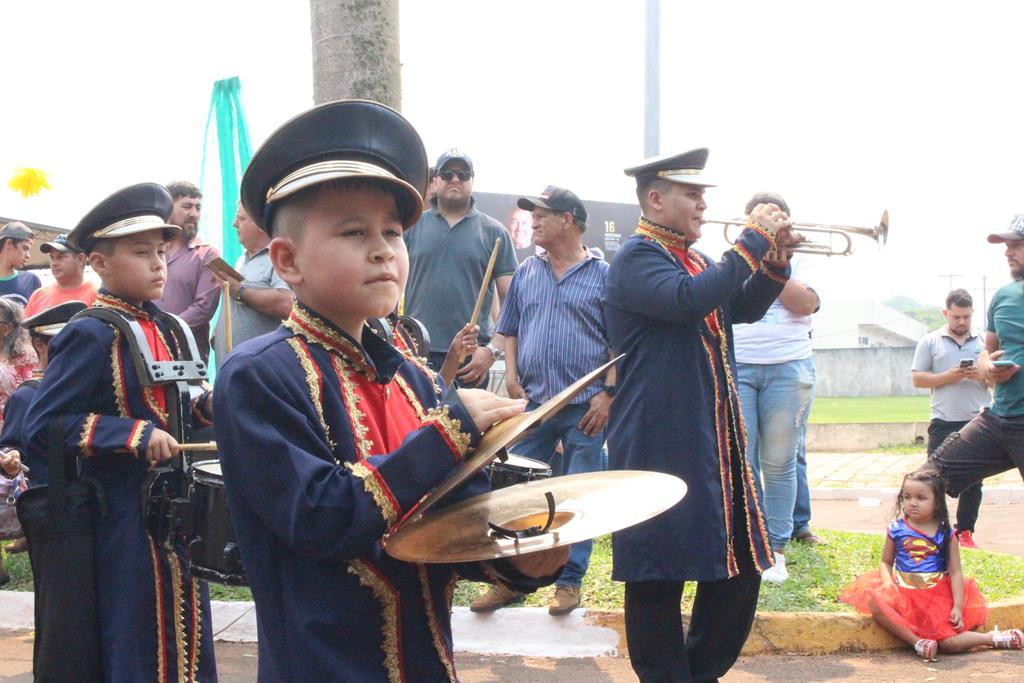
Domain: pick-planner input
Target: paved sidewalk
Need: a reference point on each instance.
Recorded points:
(849, 476)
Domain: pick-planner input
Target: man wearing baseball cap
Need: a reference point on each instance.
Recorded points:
(15, 251)
(448, 255)
(993, 441)
(554, 331)
(68, 267)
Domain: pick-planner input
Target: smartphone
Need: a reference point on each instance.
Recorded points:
(967, 362)
(1003, 363)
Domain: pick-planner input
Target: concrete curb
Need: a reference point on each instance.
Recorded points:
(531, 632)
(994, 495)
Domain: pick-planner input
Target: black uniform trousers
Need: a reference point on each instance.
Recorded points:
(969, 502)
(723, 612)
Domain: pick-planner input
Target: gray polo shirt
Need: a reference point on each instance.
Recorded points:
(938, 352)
(247, 322)
(447, 265)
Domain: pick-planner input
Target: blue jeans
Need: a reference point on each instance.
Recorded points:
(580, 453)
(802, 508)
(775, 400)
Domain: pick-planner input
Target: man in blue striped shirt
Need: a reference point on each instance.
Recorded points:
(553, 323)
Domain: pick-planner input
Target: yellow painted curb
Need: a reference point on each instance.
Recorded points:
(819, 632)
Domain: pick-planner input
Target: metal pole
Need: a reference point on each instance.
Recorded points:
(652, 79)
(355, 50)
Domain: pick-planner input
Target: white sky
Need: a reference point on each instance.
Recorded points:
(846, 108)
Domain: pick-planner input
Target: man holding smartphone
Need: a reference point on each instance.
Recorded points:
(993, 442)
(945, 363)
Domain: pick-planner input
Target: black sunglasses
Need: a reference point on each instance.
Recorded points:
(448, 175)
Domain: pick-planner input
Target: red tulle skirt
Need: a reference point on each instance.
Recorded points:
(925, 611)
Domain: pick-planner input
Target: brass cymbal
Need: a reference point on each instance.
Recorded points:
(502, 435)
(584, 506)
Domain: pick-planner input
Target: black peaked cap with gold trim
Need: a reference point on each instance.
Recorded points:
(52, 320)
(134, 209)
(686, 168)
(343, 139)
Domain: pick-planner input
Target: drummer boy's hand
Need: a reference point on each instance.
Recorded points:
(10, 462)
(463, 344)
(485, 408)
(161, 447)
(542, 563)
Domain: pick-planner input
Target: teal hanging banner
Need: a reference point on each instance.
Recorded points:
(234, 152)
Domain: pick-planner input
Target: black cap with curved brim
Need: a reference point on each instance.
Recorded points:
(1014, 234)
(686, 168)
(52, 320)
(557, 199)
(131, 210)
(60, 244)
(343, 139)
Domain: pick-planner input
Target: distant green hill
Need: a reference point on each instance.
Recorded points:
(929, 315)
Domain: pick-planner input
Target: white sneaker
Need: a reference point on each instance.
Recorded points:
(778, 573)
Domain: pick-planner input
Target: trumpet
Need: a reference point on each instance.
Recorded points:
(879, 233)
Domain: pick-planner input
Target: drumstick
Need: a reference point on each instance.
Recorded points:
(208, 447)
(226, 287)
(485, 285)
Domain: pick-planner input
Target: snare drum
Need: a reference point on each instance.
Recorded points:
(516, 470)
(213, 554)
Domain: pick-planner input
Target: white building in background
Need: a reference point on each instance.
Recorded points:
(864, 324)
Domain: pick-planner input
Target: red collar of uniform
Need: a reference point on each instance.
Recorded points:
(105, 299)
(670, 239)
(315, 328)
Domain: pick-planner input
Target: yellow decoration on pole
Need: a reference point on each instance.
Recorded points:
(28, 181)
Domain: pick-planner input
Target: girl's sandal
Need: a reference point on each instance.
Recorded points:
(926, 649)
(1011, 639)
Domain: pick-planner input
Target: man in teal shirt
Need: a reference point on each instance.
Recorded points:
(993, 442)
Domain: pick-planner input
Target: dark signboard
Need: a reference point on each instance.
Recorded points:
(608, 223)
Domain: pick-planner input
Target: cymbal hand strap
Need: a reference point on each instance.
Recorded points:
(529, 532)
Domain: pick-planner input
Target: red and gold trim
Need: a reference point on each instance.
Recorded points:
(117, 372)
(161, 641)
(446, 655)
(670, 239)
(773, 276)
(85, 436)
(450, 429)
(745, 255)
(410, 395)
(391, 627)
(135, 436)
(379, 490)
(762, 231)
(106, 300)
(421, 364)
(722, 445)
(315, 329)
(197, 630)
(314, 381)
(355, 416)
(178, 597)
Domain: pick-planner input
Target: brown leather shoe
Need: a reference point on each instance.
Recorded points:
(18, 545)
(495, 598)
(565, 600)
(810, 538)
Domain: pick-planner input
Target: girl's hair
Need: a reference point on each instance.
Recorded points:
(16, 342)
(928, 475)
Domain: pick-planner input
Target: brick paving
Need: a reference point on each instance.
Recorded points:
(877, 471)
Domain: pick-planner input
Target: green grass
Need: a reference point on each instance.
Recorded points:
(817, 574)
(870, 409)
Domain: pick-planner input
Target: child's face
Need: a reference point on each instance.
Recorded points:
(349, 263)
(918, 501)
(137, 267)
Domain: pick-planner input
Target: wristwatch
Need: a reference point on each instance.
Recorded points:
(497, 353)
(238, 294)
(609, 389)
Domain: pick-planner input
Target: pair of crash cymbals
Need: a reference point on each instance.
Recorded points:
(526, 518)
